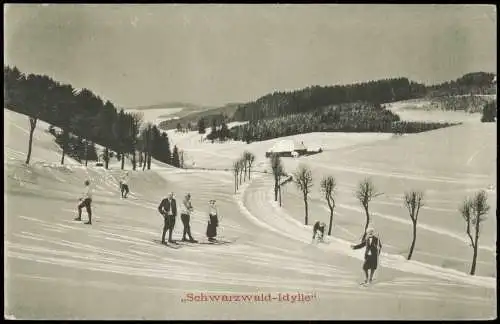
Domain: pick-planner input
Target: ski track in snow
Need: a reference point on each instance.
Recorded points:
(293, 229)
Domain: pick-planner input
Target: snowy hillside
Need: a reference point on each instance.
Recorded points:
(157, 115)
(428, 110)
(57, 268)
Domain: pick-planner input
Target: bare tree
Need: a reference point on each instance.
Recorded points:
(151, 140)
(281, 174)
(245, 166)
(277, 168)
(413, 202)
(33, 121)
(136, 120)
(328, 185)
(241, 161)
(365, 193)
(246, 158)
(146, 142)
(279, 184)
(86, 151)
(35, 103)
(473, 211)
(303, 180)
(236, 172)
(140, 159)
(181, 159)
(250, 161)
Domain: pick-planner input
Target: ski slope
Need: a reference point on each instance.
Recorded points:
(60, 269)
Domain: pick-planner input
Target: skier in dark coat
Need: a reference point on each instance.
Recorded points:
(168, 208)
(372, 252)
(213, 221)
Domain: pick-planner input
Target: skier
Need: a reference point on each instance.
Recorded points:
(124, 185)
(86, 201)
(168, 208)
(372, 252)
(319, 230)
(213, 221)
(187, 208)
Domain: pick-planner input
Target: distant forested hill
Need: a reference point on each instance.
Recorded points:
(477, 83)
(311, 98)
(167, 105)
(376, 92)
(215, 114)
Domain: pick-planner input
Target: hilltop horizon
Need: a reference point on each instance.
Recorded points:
(201, 106)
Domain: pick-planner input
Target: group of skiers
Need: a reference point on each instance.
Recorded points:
(168, 209)
(86, 198)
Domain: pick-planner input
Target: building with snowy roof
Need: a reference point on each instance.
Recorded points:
(287, 147)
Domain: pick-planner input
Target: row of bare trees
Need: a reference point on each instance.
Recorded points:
(241, 168)
(473, 209)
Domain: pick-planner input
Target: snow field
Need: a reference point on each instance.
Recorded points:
(114, 270)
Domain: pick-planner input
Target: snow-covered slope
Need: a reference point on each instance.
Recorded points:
(157, 115)
(428, 110)
(57, 268)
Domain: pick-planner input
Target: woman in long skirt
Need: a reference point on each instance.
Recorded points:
(213, 221)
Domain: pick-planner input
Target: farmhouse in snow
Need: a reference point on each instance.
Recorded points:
(287, 148)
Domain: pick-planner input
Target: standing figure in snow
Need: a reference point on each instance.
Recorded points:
(187, 208)
(319, 230)
(372, 252)
(85, 201)
(124, 185)
(168, 209)
(213, 221)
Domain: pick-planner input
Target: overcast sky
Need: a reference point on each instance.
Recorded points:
(138, 55)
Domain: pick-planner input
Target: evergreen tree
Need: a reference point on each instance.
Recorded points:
(489, 112)
(224, 132)
(167, 154)
(201, 126)
(175, 157)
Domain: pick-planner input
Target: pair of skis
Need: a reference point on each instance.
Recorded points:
(366, 284)
(370, 283)
(214, 242)
(177, 244)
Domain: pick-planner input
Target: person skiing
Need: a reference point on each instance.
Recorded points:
(213, 221)
(86, 201)
(319, 230)
(187, 208)
(124, 184)
(372, 252)
(168, 209)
